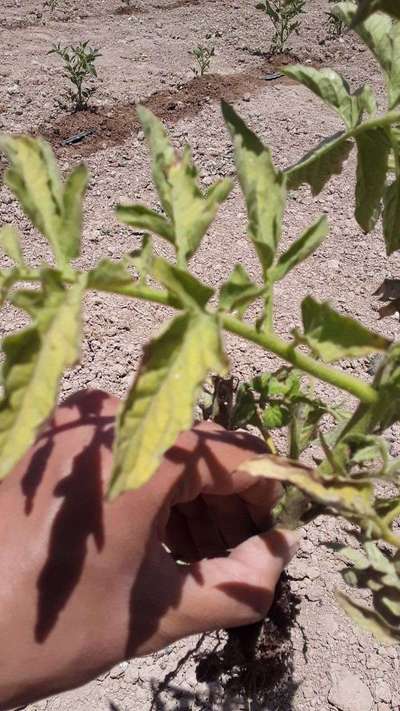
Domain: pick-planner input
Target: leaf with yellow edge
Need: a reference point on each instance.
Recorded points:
(160, 403)
(10, 244)
(345, 496)
(35, 360)
(54, 208)
(368, 620)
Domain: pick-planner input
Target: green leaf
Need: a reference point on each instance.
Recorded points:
(332, 336)
(382, 36)
(189, 290)
(319, 165)
(301, 249)
(263, 186)
(35, 360)
(391, 217)
(368, 7)
(193, 212)
(275, 415)
(238, 292)
(74, 192)
(368, 620)
(334, 91)
(372, 165)
(54, 209)
(160, 403)
(110, 276)
(143, 218)
(162, 155)
(190, 212)
(10, 244)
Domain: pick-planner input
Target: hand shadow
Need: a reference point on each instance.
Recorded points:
(80, 514)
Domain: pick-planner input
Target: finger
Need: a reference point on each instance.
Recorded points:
(233, 591)
(178, 538)
(231, 517)
(203, 530)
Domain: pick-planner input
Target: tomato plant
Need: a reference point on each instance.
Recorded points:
(178, 360)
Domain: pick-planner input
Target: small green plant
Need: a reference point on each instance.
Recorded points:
(335, 23)
(285, 17)
(353, 454)
(79, 67)
(52, 4)
(203, 56)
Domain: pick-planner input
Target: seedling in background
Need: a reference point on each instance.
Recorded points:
(285, 17)
(52, 4)
(335, 23)
(177, 361)
(79, 68)
(203, 56)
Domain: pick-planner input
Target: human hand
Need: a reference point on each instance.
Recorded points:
(87, 583)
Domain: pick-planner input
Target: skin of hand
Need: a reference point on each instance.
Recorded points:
(87, 582)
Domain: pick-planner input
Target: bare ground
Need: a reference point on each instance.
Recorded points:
(145, 57)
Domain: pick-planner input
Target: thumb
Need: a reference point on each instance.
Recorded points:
(237, 590)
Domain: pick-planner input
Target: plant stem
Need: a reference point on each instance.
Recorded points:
(287, 351)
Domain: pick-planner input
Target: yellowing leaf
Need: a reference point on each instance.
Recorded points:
(162, 155)
(143, 218)
(333, 336)
(368, 7)
(190, 212)
(344, 496)
(10, 244)
(110, 276)
(35, 360)
(263, 186)
(160, 403)
(191, 292)
(53, 208)
(193, 212)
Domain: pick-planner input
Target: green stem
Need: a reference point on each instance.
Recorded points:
(268, 341)
(287, 351)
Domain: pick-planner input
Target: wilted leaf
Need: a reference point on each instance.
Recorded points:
(344, 496)
(10, 244)
(238, 292)
(301, 249)
(391, 217)
(35, 360)
(263, 186)
(368, 620)
(372, 164)
(332, 336)
(368, 7)
(160, 403)
(320, 164)
(143, 218)
(55, 210)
